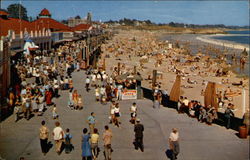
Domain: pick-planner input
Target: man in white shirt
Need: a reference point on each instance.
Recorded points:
(119, 95)
(110, 80)
(87, 81)
(102, 93)
(104, 77)
(93, 79)
(174, 143)
(186, 101)
(133, 110)
(58, 137)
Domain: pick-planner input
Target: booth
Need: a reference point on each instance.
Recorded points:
(29, 46)
(131, 84)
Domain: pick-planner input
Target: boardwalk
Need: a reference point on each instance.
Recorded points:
(197, 141)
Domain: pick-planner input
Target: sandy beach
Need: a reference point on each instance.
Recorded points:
(143, 50)
(195, 45)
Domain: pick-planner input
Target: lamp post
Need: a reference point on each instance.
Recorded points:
(88, 49)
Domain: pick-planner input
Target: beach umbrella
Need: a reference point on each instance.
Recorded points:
(210, 97)
(175, 91)
(244, 52)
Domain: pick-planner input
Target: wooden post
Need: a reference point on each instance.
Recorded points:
(104, 64)
(135, 71)
(94, 63)
(154, 78)
(119, 68)
(87, 56)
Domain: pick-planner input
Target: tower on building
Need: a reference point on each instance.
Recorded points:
(89, 17)
(45, 14)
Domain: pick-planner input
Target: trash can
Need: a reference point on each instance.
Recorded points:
(242, 132)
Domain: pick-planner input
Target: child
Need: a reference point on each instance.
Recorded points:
(54, 113)
(40, 104)
(133, 110)
(97, 94)
(68, 145)
(80, 105)
(70, 105)
(17, 110)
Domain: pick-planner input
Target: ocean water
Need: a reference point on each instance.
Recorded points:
(236, 39)
(241, 37)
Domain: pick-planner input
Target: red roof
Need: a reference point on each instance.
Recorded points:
(3, 13)
(51, 24)
(45, 12)
(81, 27)
(14, 24)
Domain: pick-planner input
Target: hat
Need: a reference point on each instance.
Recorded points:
(174, 129)
(138, 120)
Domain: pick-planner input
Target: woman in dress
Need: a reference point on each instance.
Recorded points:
(48, 97)
(97, 93)
(80, 104)
(86, 149)
(34, 104)
(11, 99)
(70, 83)
(117, 115)
(75, 99)
(40, 104)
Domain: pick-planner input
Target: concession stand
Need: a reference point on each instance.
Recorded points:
(131, 84)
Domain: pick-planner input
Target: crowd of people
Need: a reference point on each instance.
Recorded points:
(44, 76)
(41, 77)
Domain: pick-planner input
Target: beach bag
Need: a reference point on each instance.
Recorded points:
(67, 140)
(169, 153)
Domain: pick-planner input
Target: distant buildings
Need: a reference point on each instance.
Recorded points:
(72, 22)
(44, 32)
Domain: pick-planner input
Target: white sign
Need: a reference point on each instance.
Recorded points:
(129, 94)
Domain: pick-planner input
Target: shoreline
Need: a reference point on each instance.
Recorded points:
(209, 39)
(197, 43)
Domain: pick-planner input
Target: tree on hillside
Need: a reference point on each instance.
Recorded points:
(77, 17)
(16, 9)
(65, 22)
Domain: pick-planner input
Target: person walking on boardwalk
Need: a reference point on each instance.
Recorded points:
(94, 143)
(58, 137)
(91, 121)
(68, 145)
(174, 143)
(246, 120)
(86, 149)
(228, 114)
(44, 134)
(107, 136)
(117, 115)
(87, 82)
(133, 114)
(138, 129)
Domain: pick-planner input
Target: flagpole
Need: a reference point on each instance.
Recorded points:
(243, 101)
(1, 4)
(20, 15)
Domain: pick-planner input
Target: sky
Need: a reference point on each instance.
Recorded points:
(227, 12)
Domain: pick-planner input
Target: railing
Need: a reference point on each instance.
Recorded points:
(235, 121)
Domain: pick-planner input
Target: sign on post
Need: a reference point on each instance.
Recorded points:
(129, 94)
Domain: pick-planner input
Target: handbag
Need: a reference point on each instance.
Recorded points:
(169, 153)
